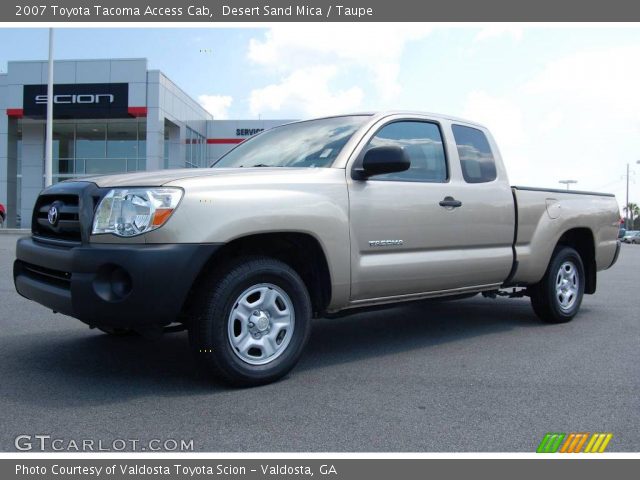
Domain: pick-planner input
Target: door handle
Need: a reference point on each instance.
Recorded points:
(450, 202)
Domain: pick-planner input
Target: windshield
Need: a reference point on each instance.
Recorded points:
(315, 143)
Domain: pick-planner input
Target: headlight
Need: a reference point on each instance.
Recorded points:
(126, 212)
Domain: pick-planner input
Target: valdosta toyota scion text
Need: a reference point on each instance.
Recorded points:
(310, 219)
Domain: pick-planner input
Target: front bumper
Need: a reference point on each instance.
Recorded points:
(107, 285)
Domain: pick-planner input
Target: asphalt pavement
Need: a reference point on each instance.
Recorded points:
(470, 375)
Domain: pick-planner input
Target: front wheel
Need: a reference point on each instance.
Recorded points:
(252, 321)
(557, 297)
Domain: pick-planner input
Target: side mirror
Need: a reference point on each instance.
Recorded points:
(381, 160)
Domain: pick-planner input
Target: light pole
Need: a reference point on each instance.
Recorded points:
(48, 155)
(627, 218)
(626, 205)
(567, 182)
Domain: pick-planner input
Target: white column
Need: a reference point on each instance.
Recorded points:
(32, 169)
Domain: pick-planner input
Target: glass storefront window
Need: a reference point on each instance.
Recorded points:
(142, 146)
(194, 151)
(63, 148)
(122, 140)
(19, 175)
(91, 144)
(19, 152)
(187, 149)
(91, 141)
(166, 152)
(96, 148)
(122, 146)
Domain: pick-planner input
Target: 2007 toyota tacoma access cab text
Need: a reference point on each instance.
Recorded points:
(310, 219)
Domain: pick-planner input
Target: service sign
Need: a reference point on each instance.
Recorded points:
(248, 132)
(83, 100)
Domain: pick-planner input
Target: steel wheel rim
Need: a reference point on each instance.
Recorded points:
(567, 285)
(261, 323)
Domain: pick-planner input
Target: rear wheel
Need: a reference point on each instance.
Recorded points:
(557, 297)
(252, 321)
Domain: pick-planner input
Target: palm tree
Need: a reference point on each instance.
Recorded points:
(632, 210)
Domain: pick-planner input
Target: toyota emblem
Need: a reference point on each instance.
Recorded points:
(52, 216)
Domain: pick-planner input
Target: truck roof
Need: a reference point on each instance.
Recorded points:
(388, 113)
(429, 114)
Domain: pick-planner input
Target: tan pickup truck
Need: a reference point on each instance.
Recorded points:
(310, 219)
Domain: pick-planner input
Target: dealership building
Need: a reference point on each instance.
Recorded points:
(110, 116)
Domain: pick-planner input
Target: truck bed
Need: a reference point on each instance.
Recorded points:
(544, 215)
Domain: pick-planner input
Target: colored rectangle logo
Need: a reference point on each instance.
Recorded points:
(574, 442)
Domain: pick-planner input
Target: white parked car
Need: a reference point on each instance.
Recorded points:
(632, 236)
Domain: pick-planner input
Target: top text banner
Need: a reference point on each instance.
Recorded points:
(216, 11)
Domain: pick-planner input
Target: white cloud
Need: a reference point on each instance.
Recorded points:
(552, 121)
(216, 105)
(306, 92)
(505, 121)
(370, 51)
(577, 117)
(598, 92)
(363, 43)
(497, 30)
(606, 78)
(502, 116)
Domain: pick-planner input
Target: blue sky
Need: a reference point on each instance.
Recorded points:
(562, 102)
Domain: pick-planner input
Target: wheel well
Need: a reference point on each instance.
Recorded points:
(581, 239)
(300, 251)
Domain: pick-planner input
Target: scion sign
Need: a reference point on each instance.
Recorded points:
(85, 100)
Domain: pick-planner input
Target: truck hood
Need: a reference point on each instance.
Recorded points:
(162, 177)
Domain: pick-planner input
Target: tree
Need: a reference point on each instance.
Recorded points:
(632, 211)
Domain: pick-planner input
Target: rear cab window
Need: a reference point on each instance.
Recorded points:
(476, 158)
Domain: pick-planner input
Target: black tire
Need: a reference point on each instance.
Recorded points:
(546, 302)
(219, 293)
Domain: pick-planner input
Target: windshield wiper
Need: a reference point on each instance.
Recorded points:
(255, 166)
